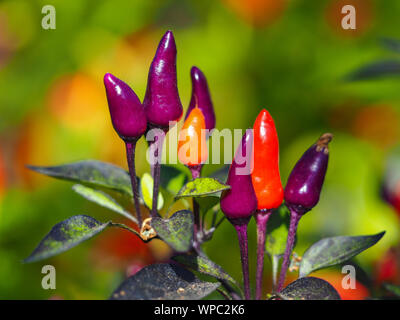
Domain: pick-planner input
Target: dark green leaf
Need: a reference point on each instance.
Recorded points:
(277, 232)
(66, 235)
(163, 282)
(392, 288)
(102, 199)
(310, 288)
(331, 251)
(201, 187)
(377, 69)
(177, 231)
(91, 172)
(203, 265)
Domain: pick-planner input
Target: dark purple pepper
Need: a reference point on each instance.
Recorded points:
(240, 202)
(161, 101)
(201, 97)
(127, 113)
(307, 177)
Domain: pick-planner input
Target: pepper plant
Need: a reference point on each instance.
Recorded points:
(250, 187)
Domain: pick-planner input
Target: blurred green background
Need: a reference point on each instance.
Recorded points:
(291, 57)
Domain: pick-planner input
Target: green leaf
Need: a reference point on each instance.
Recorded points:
(331, 251)
(146, 191)
(163, 282)
(103, 200)
(277, 232)
(310, 288)
(203, 265)
(177, 231)
(172, 178)
(392, 288)
(66, 235)
(201, 187)
(91, 172)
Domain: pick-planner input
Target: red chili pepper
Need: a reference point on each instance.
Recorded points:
(266, 178)
(266, 182)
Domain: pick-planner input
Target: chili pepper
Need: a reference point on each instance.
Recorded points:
(307, 177)
(302, 191)
(127, 113)
(161, 101)
(267, 183)
(192, 145)
(201, 98)
(129, 121)
(265, 176)
(239, 202)
(193, 152)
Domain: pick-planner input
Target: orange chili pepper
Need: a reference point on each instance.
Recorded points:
(192, 145)
(265, 176)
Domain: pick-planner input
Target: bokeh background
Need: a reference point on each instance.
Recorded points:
(289, 56)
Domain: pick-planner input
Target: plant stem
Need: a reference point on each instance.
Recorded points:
(262, 217)
(275, 265)
(294, 221)
(198, 229)
(241, 229)
(156, 173)
(130, 154)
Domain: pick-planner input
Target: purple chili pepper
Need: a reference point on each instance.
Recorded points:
(201, 97)
(302, 191)
(129, 120)
(307, 177)
(127, 113)
(161, 101)
(240, 201)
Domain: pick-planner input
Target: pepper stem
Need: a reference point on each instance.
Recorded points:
(241, 229)
(156, 173)
(275, 265)
(262, 217)
(130, 154)
(294, 221)
(198, 226)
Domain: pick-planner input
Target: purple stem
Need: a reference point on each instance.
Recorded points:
(241, 229)
(156, 173)
(262, 217)
(130, 155)
(198, 230)
(294, 221)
